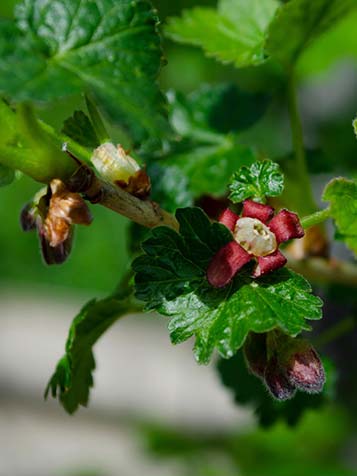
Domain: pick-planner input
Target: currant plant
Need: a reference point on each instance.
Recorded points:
(219, 230)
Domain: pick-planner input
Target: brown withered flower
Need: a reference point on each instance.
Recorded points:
(53, 212)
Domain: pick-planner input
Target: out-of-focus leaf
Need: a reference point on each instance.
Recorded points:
(299, 22)
(171, 278)
(249, 390)
(338, 44)
(110, 47)
(232, 33)
(79, 128)
(7, 175)
(342, 195)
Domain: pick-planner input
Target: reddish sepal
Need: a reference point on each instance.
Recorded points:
(225, 264)
(286, 225)
(228, 218)
(305, 370)
(277, 382)
(267, 264)
(253, 209)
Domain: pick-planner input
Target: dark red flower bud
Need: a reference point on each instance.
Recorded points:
(55, 254)
(255, 353)
(257, 210)
(303, 366)
(277, 382)
(286, 225)
(225, 263)
(228, 218)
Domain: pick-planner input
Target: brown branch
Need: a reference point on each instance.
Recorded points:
(143, 212)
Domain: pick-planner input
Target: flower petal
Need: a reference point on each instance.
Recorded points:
(256, 210)
(228, 218)
(286, 225)
(225, 263)
(269, 263)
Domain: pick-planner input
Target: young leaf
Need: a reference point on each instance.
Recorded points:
(73, 378)
(110, 47)
(171, 278)
(234, 33)
(299, 22)
(79, 128)
(342, 195)
(248, 390)
(260, 180)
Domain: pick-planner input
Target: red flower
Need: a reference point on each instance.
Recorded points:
(257, 235)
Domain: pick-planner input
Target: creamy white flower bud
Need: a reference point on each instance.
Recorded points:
(113, 163)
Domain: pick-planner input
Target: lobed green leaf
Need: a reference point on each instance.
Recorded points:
(260, 180)
(73, 378)
(234, 33)
(342, 195)
(109, 47)
(171, 278)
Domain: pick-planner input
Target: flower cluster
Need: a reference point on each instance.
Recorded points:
(284, 364)
(257, 235)
(54, 211)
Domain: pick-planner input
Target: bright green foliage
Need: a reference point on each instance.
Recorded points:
(208, 151)
(342, 195)
(171, 278)
(260, 180)
(234, 33)
(79, 128)
(249, 390)
(110, 47)
(73, 377)
(355, 126)
(299, 22)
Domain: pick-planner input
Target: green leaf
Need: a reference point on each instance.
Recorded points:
(248, 390)
(73, 378)
(7, 175)
(342, 195)
(355, 126)
(234, 33)
(260, 180)
(299, 22)
(110, 47)
(171, 278)
(206, 155)
(79, 128)
(170, 187)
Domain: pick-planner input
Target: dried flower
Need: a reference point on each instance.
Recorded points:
(53, 212)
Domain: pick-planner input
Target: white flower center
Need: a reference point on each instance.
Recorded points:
(254, 236)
